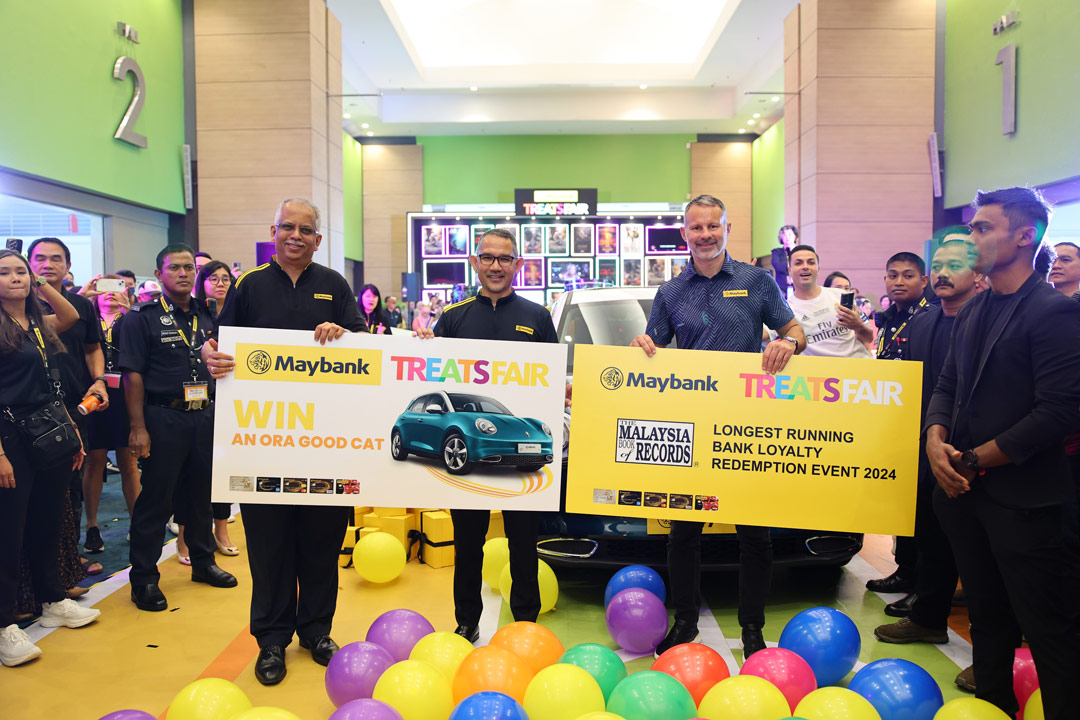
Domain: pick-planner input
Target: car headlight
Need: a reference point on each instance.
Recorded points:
(486, 426)
(545, 428)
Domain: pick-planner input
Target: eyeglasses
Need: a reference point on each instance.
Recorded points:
(287, 228)
(504, 260)
(219, 280)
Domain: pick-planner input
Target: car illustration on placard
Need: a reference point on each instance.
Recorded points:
(465, 430)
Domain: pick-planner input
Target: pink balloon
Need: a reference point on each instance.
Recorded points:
(784, 669)
(1025, 679)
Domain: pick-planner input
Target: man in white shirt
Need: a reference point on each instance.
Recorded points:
(832, 330)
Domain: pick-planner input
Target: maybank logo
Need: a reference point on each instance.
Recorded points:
(285, 363)
(705, 384)
(611, 378)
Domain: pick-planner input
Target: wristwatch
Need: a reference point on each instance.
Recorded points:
(41, 281)
(792, 340)
(970, 459)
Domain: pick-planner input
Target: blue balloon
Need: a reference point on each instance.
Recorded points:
(489, 706)
(635, 576)
(898, 690)
(826, 639)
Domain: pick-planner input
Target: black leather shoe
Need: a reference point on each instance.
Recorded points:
(213, 575)
(149, 597)
(469, 632)
(681, 632)
(270, 667)
(322, 649)
(752, 641)
(895, 583)
(902, 607)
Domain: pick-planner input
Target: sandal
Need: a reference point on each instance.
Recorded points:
(77, 591)
(91, 568)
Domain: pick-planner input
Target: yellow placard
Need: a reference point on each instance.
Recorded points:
(829, 443)
(292, 363)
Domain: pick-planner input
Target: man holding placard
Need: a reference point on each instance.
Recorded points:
(719, 303)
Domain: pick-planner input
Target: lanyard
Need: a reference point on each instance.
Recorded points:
(34, 333)
(193, 358)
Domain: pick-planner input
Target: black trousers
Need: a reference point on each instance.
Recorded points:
(181, 444)
(470, 529)
(293, 552)
(684, 571)
(935, 581)
(1019, 578)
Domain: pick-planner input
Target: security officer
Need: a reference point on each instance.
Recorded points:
(495, 313)
(169, 395)
(291, 545)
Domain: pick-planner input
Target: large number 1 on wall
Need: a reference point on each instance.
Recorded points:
(1006, 58)
(126, 130)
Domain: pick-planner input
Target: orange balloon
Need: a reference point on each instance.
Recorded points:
(492, 668)
(698, 667)
(535, 644)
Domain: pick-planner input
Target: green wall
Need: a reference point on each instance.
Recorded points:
(353, 185)
(1045, 146)
(768, 189)
(624, 168)
(61, 104)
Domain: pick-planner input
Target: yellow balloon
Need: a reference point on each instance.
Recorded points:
(601, 716)
(416, 689)
(444, 650)
(208, 699)
(1033, 709)
(496, 556)
(744, 697)
(545, 576)
(971, 709)
(263, 712)
(835, 703)
(562, 692)
(379, 557)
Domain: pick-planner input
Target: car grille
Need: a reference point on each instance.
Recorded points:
(518, 459)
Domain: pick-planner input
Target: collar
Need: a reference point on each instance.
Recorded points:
(727, 268)
(277, 266)
(485, 300)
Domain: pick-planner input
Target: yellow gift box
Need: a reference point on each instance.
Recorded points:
(390, 511)
(352, 535)
(358, 515)
(496, 529)
(436, 538)
(397, 525)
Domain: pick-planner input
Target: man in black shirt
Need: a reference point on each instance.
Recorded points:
(169, 394)
(290, 546)
(495, 313)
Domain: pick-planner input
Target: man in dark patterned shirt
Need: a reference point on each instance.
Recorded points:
(718, 303)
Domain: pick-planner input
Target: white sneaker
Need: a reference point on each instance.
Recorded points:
(67, 613)
(15, 647)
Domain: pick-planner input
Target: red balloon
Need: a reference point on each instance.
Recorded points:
(1025, 679)
(784, 669)
(698, 667)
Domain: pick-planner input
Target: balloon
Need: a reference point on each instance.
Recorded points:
(836, 703)
(744, 697)
(128, 715)
(416, 689)
(826, 639)
(398, 631)
(489, 706)
(535, 644)
(545, 576)
(379, 557)
(494, 669)
(698, 667)
(445, 650)
(784, 669)
(635, 576)
(562, 692)
(365, 709)
(264, 712)
(1033, 708)
(354, 670)
(496, 556)
(970, 709)
(208, 699)
(651, 695)
(1025, 678)
(898, 689)
(637, 620)
(601, 716)
(602, 663)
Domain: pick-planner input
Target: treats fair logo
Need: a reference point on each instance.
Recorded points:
(819, 389)
(469, 371)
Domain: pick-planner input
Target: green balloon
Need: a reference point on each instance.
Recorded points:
(602, 663)
(651, 695)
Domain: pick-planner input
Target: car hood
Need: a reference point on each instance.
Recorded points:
(503, 422)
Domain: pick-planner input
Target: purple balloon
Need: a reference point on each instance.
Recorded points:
(398, 631)
(637, 620)
(128, 715)
(354, 670)
(365, 709)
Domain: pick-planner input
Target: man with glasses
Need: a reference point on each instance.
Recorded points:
(495, 313)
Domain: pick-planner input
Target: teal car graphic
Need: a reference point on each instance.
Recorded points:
(464, 430)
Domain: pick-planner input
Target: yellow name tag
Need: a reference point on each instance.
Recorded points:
(323, 296)
(524, 329)
(735, 293)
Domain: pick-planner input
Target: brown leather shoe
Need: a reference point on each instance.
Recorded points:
(966, 679)
(907, 630)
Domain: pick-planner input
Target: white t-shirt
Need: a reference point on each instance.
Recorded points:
(824, 335)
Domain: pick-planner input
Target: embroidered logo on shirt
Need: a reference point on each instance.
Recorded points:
(524, 329)
(323, 296)
(735, 293)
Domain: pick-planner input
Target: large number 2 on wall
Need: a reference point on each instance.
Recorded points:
(1006, 58)
(126, 130)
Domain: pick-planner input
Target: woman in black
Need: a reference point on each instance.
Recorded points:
(31, 497)
(371, 309)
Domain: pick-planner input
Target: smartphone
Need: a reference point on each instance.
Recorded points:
(111, 285)
(847, 299)
(15, 245)
(235, 267)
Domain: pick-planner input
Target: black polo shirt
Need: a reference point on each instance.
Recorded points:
(266, 297)
(152, 346)
(75, 377)
(26, 386)
(512, 318)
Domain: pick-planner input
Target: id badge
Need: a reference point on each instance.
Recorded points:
(196, 391)
(112, 380)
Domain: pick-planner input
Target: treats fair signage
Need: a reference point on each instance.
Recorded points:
(541, 203)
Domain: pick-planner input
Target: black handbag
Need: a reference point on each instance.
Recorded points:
(48, 433)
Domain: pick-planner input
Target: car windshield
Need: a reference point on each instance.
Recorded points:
(609, 322)
(477, 403)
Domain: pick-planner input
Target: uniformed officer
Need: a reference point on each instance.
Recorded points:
(495, 313)
(291, 546)
(169, 395)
